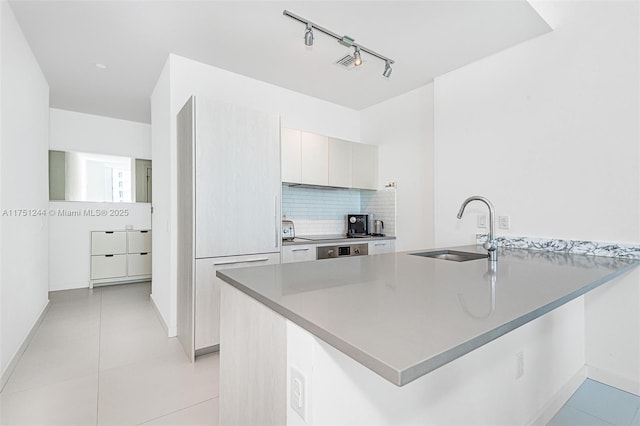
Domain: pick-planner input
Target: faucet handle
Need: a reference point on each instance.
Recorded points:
(490, 245)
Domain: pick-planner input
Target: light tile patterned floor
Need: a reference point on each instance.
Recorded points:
(101, 357)
(595, 403)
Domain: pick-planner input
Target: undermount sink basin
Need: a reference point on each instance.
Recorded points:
(456, 256)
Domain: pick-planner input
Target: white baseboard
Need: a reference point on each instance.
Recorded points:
(560, 398)
(612, 379)
(4, 378)
(171, 331)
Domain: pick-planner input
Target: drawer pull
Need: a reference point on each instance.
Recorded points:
(380, 244)
(143, 254)
(108, 232)
(233, 262)
(108, 255)
(301, 249)
(143, 232)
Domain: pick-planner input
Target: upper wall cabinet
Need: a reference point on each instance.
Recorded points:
(312, 159)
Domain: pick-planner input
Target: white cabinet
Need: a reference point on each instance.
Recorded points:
(291, 155)
(365, 166)
(207, 296)
(314, 159)
(120, 256)
(298, 253)
(311, 159)
(340, 163)
(229, 186)
(382, 246)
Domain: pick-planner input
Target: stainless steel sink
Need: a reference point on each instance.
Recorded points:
(456, 256)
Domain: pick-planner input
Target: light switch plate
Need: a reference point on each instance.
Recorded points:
(504, 222)
(482, 221)
(298, 393)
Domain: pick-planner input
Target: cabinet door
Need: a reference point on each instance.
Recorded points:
(139, 241)
(382, 246)
(237, 180)
(108, 242)
(290, 146)
(108, 266)
(298, 253)
(340, 167)
(365, 166)
(207, 298)
(314, 159)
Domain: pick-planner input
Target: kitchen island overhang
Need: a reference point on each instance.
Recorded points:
(403, 316)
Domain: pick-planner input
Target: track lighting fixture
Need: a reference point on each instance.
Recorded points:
(357, 59)
(387, 69)
(308, 36)
(344, 40)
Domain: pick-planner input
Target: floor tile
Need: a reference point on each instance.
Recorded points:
(55, 329)
(569, 416)
(136, 393)
(605, 402)
(205, 413)
(71, 402)
(124, 347)
(126, 294)
(45, 363)
(78, 295)
(121, 318)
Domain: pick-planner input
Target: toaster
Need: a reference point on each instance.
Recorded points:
(288, 230)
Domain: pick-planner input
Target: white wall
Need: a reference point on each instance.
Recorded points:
(402, 128)
(186, 78)
(548, 130)
(70, 236)
(75, 131)
(24, 139)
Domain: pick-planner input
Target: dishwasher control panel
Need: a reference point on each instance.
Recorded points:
(333, 252)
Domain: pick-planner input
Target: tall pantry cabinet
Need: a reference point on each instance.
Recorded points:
(228, 207)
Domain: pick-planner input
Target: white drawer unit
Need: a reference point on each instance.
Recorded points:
(139, 241)
(138, 264)
(108, 266)
(382, 246)
(120, 257)
(108, 242)
(298, 253)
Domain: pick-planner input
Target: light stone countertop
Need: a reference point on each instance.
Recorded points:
(403, 316)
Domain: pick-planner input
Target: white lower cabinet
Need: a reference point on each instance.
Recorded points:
(298, 253)
(120, 256)
(382, 246)
(207, 297)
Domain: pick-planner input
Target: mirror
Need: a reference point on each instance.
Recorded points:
(81, 176)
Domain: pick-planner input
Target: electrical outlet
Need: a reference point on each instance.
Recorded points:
(298, 391)
(519, 364)
(482, 221)
(504, 222)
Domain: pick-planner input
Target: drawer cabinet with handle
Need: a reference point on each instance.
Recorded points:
(120, 256)
(298, 253)
(382, 246)
(207, 297)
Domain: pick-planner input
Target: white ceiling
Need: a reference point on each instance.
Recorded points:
(134, 38)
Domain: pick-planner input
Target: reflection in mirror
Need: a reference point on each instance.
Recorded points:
(79, 176)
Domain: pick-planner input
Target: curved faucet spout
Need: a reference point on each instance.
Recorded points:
(490, 245)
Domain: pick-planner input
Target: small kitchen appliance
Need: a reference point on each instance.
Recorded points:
(288, 230)
(378, 226)
(357, 225)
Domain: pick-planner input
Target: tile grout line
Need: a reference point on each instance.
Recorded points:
(178, 410)
(98, 379)
(592, 415)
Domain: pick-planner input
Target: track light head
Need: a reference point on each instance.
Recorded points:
(357, 59)
(387, 69)
(308, 36)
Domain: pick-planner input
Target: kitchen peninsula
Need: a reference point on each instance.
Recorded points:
(433, 335)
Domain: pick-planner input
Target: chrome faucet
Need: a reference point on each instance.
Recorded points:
(490, 245)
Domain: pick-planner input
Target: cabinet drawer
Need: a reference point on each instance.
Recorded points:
(298, 253)
(380, 247)
(108, 266)
(139, 241)
(207, 303)
(109, 242)
(139, 264)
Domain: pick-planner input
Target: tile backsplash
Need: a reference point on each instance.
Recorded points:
(320, 210)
